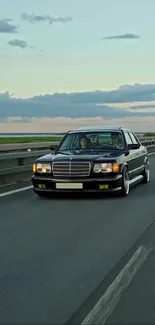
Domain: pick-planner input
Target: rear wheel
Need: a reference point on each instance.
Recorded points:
(125, 187)
(146, 173)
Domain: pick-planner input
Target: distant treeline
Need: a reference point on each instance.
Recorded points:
(149, 134)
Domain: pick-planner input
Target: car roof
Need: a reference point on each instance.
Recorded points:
(99, 128)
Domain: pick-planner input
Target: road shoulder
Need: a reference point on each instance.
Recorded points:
(137, 303)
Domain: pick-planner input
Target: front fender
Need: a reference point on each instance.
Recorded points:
(146, 159)
(124, 164)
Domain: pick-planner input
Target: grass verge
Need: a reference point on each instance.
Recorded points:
(12, 140)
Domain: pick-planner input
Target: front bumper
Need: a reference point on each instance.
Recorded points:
(78, 185)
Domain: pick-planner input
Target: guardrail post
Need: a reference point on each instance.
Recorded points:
(20, 161)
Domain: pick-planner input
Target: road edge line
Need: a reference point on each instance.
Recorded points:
(151, 153)
(16, 191)
(107, 303)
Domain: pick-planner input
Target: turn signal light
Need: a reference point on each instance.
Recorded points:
(34, 168)
(115, 167)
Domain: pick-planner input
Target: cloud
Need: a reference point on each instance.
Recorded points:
(33, 18)
(18, 119)
(18, 43)
(7, 27)
(62, 124)
(123, 36)
(104, 104)
(60, 112)
(143, 106)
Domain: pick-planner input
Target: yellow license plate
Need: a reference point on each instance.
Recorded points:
(103, 187)
(41, 186)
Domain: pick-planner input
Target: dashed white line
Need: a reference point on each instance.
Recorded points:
(107, 303)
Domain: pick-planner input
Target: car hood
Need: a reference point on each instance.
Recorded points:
(90, 156)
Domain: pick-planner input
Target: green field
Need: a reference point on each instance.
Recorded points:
(149, 135)
(28, 139)
(12, 140)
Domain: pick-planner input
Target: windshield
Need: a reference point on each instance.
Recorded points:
(92, 140)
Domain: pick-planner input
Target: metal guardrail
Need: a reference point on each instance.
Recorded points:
(21, 147)
(16, 160)
(37, 146)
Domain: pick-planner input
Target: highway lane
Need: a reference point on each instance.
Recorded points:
(137, 303)
(54, 253)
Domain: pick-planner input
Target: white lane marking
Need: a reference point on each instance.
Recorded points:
(29, 187)
(107, 303)
(151, 153)
(16, 191)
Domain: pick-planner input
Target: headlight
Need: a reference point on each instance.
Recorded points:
(41, 168)
(106, 168)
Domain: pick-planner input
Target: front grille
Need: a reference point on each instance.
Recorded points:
(71, 169)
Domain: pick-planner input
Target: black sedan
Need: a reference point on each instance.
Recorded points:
(92, 159)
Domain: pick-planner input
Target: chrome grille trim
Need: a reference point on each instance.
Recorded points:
(71, 169)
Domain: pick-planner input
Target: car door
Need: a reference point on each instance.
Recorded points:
(140, 153)
(133, 158)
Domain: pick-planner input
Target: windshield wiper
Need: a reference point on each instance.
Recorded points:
(63, 152)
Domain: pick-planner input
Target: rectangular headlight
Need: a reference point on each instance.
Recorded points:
(106, 168)
(43, 168)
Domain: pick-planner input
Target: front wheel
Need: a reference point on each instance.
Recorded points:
(146, 174)
(125, 187)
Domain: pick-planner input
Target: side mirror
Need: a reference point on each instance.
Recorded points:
(127, 152)
(53, 148)
(133, 146)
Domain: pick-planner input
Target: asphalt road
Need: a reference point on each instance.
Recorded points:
(136, 305)
(54, 253)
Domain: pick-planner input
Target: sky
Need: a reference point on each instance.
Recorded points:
(67, 63)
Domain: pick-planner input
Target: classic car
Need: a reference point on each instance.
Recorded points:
(92, 159)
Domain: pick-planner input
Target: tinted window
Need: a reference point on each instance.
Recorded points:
(134, 140)
(92, 140)
(70, 142)
(128, 139)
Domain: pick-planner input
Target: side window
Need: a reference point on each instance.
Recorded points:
(134, 140)
(127, 138)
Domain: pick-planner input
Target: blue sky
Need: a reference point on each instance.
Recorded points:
(71, 55)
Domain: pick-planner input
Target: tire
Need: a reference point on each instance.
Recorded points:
(125, 187)
(146, 173)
